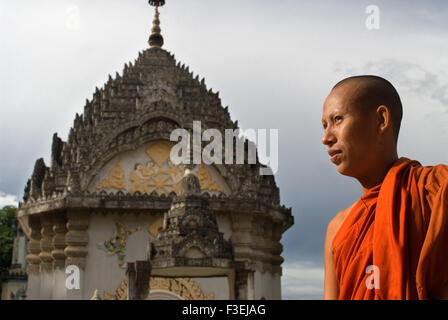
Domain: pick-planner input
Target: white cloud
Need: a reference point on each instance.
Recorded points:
(7, 200)
(302, 280)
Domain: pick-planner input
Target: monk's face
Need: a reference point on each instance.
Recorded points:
(350, 134)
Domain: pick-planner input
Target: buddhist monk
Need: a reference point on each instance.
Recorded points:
(393, 242)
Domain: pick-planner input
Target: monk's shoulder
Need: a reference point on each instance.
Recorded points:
(336, 223)
(433, 177)
(438, 174)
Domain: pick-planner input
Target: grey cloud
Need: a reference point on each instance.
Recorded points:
(407, 75)
(302, 280)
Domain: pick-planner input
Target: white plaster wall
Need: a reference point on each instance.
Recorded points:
(59, 289)
(267, 285)
(217, 285)
(46, 285)
(33, 287)
(102, 270)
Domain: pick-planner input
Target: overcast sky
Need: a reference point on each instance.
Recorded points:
(273, 62)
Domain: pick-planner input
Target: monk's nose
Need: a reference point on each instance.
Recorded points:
(328, 138)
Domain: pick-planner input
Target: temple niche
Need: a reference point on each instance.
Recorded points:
(113, 205)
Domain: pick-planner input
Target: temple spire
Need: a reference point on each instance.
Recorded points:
(156, 39)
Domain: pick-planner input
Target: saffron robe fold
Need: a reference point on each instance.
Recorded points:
(401, 227)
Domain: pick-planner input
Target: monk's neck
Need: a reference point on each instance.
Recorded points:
(376, 175)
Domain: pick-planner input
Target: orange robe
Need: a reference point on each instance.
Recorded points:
(400, 226)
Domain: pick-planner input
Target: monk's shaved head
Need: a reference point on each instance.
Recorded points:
(369, 92)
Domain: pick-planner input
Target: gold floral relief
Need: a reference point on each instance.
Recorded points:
(115, 179)
(155, 227)
(190, 290)
(157, 174)
(148, 178)
(206, 181)
(159, 152)
(186, 288)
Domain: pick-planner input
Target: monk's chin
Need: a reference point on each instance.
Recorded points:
(345, 171)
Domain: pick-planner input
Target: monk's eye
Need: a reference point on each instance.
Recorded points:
(324, 126)
(337, 118)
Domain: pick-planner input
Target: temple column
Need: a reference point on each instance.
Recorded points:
(277, 258)
(33, 267)
(250, 286)
(77, 240)
(59, 244)
(241, 240)
(46, 246)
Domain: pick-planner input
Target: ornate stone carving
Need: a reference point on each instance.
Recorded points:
(76, 238)
(189, 185)
(115, 180)
(157, 174)
(56, 151)
(46, 245)
(116, 244)
(190, 235)
(34, 249)
(186, 288)
(60, 229)
(147, 178)
(37, 178)
(205, 180)
(155, 227)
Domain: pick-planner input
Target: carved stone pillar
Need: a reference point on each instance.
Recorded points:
(241, 240)
(77, 240)
(59, 244)
(46, 245)
(46, 266)
(241, 236)
(33, 268)
(241, 281)
(59, 277)
(257, 248)
(277, 249)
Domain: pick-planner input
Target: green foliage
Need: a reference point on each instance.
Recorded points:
(7, 218)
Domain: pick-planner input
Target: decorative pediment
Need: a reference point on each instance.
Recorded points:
(149, 169)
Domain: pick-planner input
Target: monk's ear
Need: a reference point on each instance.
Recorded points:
(383, 118)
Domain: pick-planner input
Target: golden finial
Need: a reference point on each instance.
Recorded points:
(156, 39)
